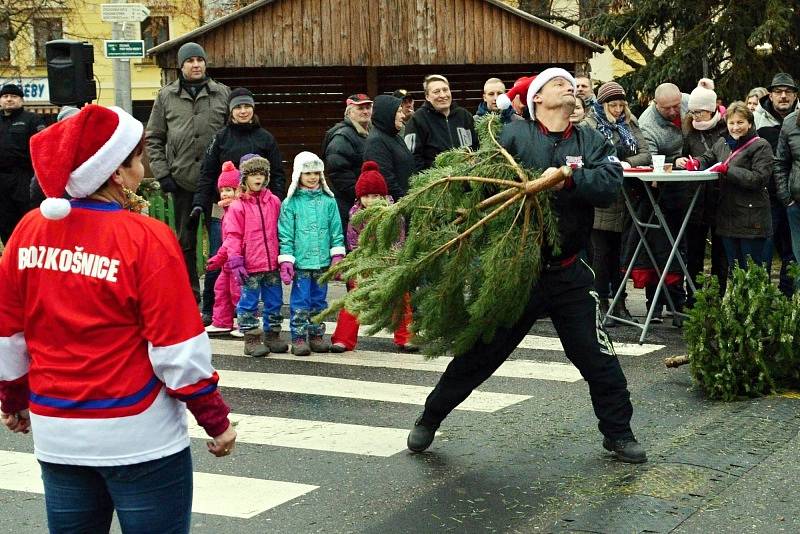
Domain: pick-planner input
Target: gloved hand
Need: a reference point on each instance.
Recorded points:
(236, 267)
(722, 168)
(287, 272)
(194, 218)
(334, 260)
(692, 164)
(168, 184)
(215, 262)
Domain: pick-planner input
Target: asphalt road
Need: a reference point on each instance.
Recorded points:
(322, 449)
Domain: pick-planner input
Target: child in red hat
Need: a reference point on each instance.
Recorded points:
(370, 189)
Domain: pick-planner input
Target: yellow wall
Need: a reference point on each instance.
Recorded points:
(82, 22)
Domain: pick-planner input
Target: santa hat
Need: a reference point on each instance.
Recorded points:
(371, 181)
(307, 162)
(542, 78)
(229, 177)
(520, 89)
(79, 155)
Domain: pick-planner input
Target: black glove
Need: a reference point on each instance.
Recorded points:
(168, 184)
(194, 218)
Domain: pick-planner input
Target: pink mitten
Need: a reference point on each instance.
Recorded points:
(334, 260)
(287, 272)
(215, 262)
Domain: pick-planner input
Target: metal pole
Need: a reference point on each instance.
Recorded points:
(122, 71)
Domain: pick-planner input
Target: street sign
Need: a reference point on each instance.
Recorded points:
(123, 12)
(117, 49)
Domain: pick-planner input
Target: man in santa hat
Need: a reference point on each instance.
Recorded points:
(565, 290)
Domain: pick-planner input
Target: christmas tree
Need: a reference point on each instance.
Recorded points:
(477, 224)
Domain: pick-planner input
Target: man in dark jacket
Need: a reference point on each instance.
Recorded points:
(17, 126)
(186, 114)
(385, 147)
(343, 152)
(565, 290)
(768, 117)
(439, 124)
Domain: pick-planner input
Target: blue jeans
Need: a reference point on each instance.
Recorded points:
(214, 242)
(737, 250)
(307, 299)
(267, 288)
(154, 496)
(781, 241)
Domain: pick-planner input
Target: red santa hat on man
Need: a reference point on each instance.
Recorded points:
(532, 85)
(78, 155)
(520, 89)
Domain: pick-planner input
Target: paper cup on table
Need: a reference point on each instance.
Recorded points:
(668, 167)
(658, 162)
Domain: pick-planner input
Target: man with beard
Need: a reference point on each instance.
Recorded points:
(768, 117)
(186, 115)
(17, 126)
(565, 289)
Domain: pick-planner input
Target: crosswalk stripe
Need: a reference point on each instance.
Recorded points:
(529, 342)
(479, 401)
(224, 495)
(560, 372)
(314, 435)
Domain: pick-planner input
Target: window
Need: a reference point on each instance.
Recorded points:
(155, 30)
(5, 44)
(45, 30)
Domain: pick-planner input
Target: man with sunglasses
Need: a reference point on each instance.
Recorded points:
(768, 117)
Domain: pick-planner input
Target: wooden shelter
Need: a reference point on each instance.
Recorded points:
(302, 58)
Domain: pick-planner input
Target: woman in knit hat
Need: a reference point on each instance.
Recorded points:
(371, 190)
(242, 135)
(612, 117)
(102, 347)
(702, 127)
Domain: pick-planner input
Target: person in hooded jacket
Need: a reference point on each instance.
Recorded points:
(702, 127)
(439, 124)
(385, 147)
(242, 135)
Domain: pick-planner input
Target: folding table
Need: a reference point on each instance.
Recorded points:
(660, 224)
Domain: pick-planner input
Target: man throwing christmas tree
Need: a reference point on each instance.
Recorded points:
(565, 288)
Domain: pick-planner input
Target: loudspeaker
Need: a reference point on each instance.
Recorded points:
(70, 72)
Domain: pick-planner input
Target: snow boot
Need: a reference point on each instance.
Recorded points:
(318, 344)
(253, 345)
(300, 347)
(275, 343)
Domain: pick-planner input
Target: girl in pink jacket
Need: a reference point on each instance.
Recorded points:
(251, 248)
(226, 290)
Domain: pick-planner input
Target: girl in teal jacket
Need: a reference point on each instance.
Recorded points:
(311, 240)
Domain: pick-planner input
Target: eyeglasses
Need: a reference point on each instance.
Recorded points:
(787, 92)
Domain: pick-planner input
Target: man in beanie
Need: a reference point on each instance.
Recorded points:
(343, 151)
(16, 128)
(565, 291)
(439, 124)
(186, 114)
(768, 118)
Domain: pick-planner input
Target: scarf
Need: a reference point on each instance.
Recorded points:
(707, 125)
(620, 126)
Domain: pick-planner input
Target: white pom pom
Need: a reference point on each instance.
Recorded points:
(55, 208)
(503, 102)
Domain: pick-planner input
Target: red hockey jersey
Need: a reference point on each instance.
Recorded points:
(98, 320)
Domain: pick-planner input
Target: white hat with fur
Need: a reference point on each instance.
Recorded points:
(307, 162)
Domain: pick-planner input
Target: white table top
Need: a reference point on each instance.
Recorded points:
(674, 176)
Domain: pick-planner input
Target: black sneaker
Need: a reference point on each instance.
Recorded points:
(421, 436)
(628, 450)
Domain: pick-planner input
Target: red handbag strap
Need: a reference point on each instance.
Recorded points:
(747, 144)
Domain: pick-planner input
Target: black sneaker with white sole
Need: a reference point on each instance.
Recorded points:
(627, 450)
(421, 436)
